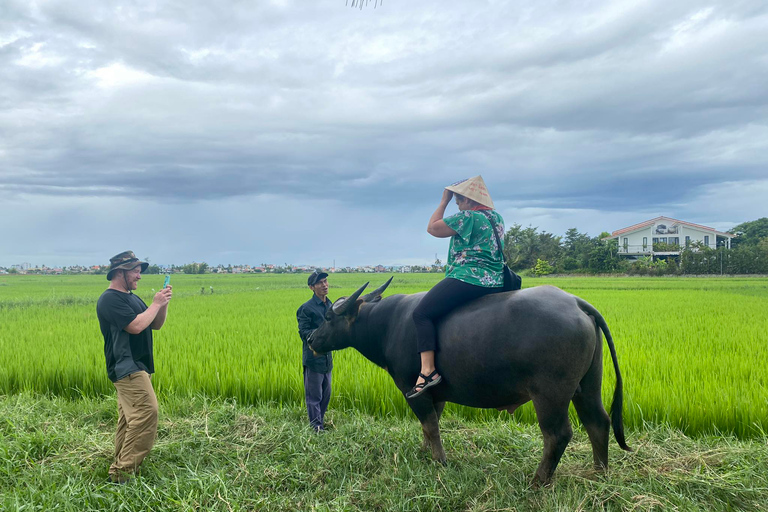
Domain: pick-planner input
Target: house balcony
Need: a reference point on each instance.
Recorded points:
(658, 248)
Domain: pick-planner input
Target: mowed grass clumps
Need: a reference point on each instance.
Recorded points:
(693, 352)
(219, 455)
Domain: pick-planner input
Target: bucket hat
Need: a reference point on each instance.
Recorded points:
(473, 188)
(125, 261)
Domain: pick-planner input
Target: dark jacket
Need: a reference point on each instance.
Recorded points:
(311, 315)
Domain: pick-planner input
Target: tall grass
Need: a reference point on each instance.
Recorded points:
(693, 352)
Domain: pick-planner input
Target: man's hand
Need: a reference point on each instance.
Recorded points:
(154, 316)
(163, 296)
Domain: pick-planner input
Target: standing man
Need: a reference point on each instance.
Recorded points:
(126, 324)
(317, 369)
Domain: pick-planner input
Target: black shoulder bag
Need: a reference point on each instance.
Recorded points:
(512, 281)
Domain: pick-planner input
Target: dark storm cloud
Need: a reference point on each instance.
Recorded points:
(608, 106)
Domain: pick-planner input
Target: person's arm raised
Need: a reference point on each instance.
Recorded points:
(159, 320)
(437, 226)
(146, 319)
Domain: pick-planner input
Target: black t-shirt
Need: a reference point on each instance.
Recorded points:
(125, 353)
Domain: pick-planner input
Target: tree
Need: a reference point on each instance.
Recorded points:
(438, 265)
(523, 246)
(195, 268)
(744, 259)
(543, 268)
(698, 258)
(604, 257)
(750, 233)
(518, 246)
(576, 249)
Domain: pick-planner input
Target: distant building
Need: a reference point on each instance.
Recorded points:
(664, 236)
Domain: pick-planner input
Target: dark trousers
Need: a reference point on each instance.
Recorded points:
(317, 394)
(443, 298)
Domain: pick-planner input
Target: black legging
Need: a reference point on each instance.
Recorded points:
(443, 298)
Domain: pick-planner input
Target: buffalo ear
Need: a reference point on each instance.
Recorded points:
(353, 310)
(345, 303)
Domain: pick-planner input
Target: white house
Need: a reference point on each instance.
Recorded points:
(664, 236)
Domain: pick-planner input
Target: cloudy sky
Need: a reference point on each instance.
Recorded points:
(287, 131)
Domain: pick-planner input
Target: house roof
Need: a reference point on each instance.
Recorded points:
(668, 219)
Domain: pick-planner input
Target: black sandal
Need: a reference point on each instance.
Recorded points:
(429, 381)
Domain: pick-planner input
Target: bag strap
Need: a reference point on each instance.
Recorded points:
(495, 233)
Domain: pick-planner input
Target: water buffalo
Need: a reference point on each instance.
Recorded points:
(500, 351)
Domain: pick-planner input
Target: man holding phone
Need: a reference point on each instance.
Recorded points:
(127, 324)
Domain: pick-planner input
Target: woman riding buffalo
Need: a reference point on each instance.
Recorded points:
(474, 269)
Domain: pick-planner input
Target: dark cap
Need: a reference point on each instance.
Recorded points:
(316, 276)
(125, 261)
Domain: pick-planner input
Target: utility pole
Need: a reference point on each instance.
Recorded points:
(721, 260)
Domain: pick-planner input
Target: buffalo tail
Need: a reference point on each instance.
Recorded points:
(617, 405)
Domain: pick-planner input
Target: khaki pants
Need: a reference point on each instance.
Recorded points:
(136, 426)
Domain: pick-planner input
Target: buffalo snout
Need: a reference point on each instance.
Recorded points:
(312, 342)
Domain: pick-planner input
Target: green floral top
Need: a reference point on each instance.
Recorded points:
(474, 256)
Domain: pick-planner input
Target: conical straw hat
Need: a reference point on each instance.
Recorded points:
(473, 188)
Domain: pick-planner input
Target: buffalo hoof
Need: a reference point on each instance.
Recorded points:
(439, 457)
(538, 483)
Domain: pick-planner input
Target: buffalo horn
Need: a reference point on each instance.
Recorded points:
(368, 297)
(342, 305)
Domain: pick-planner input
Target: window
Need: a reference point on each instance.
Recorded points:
(655, 240)
(706, 240)
(645, 242)
(687, 240)
(674, 240)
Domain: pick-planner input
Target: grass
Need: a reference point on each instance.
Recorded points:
(693, 352)
(220, 455)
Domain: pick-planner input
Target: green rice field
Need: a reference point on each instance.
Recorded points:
(693, 351)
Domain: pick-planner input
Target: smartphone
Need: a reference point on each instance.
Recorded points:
(167, 281)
